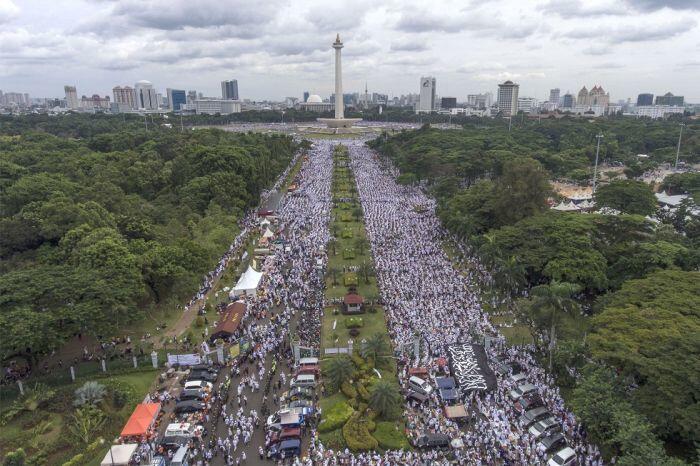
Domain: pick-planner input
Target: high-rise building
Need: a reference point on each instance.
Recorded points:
(214, 106)
(191, 97)
(146, 96)
(229, 89)
(306, 96)
(124, 97)
(554, 95)
(645, 99)
(447, 103)
(71, 97)
(480, 100)
(527, 104)
(508, 98)
(567, 101)
(176, 98)
(597, 97)
(670, 99)
(95, 102)
(426, 103)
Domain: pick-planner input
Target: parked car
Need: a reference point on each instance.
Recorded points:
(433, 441)
(188, 406)
(528, 402)
(564, 457)
(419, 397)
(419, 385)
(533, 415)
(522, 390)
(290, 448)
(545, 427)
(298, 404)
(287, 416)
(183, 429)
(303, 380)
(553, 442)
(204, 367)
(297, 393)
(198, 385)
(517, 378)
(191, 394)
(285, 433)
(202, 375)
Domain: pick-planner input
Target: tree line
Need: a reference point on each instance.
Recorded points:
(611, 301)
(101, 220)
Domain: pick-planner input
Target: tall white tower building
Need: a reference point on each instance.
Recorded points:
(146, 96)
(508, 98)
(339, 121)
(426, 102)
(71, 97)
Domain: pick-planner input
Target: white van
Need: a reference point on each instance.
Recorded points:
(419, 385)
(308, 362)
(182, 429)
(303, 380)
(180, 457)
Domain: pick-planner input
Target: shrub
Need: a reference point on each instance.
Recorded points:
(347, 233)
(335, 417)
(15, 458)
(348, 253)
(353, 403)
(357, 435)
(354, 322)
(348, 390)
(354, 332)
(333, 439)
(199, 322)
(350, 279)
(91, 393)
(372, 310)
(390, 437)
(363, 392)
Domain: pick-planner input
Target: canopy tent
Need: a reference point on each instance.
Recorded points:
(141, 420)
(265, 222)
(566, 207)
(455, 412)
(449, 394)
(229, 321)
(268, 234)
(445, 382)
(248, 283)
(119, 455)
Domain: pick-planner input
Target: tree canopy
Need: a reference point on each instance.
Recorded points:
(627, 196)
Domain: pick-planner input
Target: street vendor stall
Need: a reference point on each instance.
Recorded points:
(248, 283)
(455, 412)
(142, 420)
(119, 455)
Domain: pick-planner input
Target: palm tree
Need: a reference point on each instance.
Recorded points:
(334, 271)
(366, 271)
(338, 370)
(332, 244)
(557, 299)
(509, 274)
(376, 347)
(91, 393)
(384, 398)
(361, 244)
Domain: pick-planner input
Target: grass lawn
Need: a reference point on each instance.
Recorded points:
(349, 255)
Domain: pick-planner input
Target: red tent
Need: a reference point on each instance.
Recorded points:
(141, 420)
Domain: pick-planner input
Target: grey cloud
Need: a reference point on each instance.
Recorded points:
(428, 22)
(410, 46)
(653, 5)
(8, 11)
(579, 8)
(637, 32)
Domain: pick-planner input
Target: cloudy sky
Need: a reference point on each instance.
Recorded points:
(278, 48)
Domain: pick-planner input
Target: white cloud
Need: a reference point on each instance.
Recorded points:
(8, 11)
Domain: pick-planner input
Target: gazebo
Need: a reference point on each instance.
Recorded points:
(353, 303)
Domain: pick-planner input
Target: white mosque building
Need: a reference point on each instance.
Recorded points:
(315, 104)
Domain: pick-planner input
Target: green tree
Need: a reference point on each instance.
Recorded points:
(334, 272)
(627, 196)
(649, 330)
(384, 399)
(549, 303)
(525, 184)
(361, 244)
(366, 270)
(85, 423)
(375, 348)
(15, 458)
(338, 370)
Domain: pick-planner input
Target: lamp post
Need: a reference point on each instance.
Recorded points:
(595, 168)
(678, 148)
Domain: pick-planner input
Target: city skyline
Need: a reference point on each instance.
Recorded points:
(629, 47)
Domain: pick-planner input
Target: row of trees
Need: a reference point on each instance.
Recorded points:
(96, 231)
(638, 279)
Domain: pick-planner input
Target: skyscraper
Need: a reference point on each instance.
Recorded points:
(670, 99)
(124, 97)
(448, 102)
(508, 98)
(554, 96)
(229, 89)
(567, 100)
(645, 99)
(426, 103)
(71, 97)
(146, 96)
(306, 96)
(176, 98)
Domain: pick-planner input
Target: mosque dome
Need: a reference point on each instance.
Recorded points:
(314, 99)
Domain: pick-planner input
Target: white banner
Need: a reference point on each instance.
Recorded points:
(184, 359)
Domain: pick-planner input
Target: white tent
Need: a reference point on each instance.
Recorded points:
(119, 455)
(265, 222)
(248, 283)
(564, 207)
(268, 234)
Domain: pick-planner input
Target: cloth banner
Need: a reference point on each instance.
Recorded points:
(235, 350)
(184, 359)
(470, 369)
